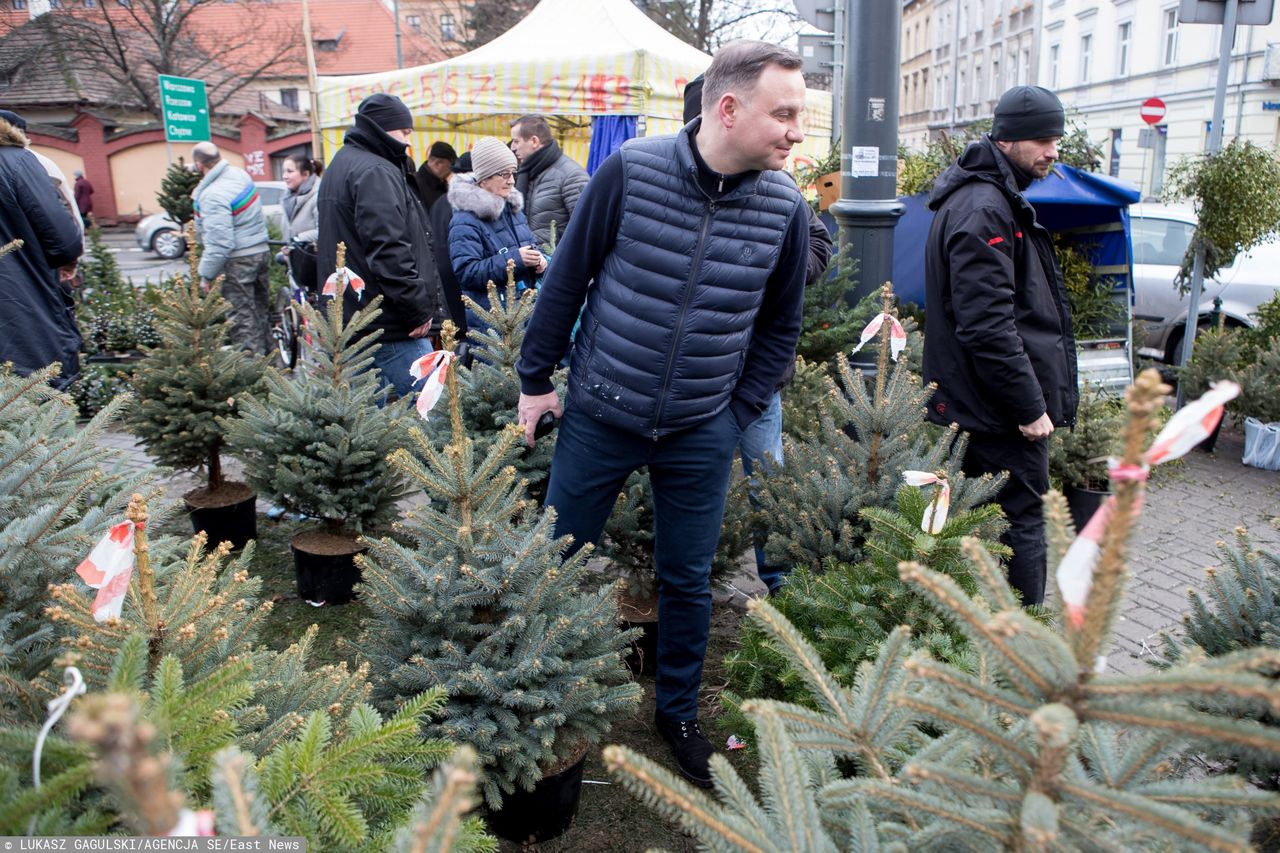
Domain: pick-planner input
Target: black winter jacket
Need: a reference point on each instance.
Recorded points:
(998, 339)
(37, 324)
(369, 200)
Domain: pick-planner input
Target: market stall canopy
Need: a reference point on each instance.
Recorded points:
(568, 60)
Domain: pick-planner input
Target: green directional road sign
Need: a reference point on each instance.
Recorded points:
(186, 109)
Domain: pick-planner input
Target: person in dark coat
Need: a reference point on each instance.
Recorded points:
(369, 200)
(84, 197)
(37, 322)
(998, 336)
(488, 227)
(690, 252)
(441, 215)
(433, 174)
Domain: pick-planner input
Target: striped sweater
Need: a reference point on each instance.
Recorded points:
(229, 218)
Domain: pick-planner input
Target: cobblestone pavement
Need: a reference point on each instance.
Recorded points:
(1190, 507)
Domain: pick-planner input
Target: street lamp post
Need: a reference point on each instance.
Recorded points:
(869, 208)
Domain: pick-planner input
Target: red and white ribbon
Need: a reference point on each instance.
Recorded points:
(1184, 431)
(897, 335)
(935, 514)
(193, 824)
(108, 569)
(434, 367)
(353, 281)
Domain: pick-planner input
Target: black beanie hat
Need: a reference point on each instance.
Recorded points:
(462, 164)
(1028, 112)
(443, 150)
(693, 99)
(386, 111)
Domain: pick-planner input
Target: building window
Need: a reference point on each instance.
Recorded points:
(1053, 66)
(448, 29)
(1169, 49)
(414, 21)
(19, 5)
(1013, 69)
(977, 83)
(1114, 168)
(55, 4)
(963, 19)
(1086, 57)
(977, 18)
(289, 98)
(996, 53)
(1124, 38)
(1025, 71)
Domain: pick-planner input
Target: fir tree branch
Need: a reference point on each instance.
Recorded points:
(1176, 822)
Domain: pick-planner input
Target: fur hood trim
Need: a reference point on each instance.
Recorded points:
(466, 194)
(12, 137)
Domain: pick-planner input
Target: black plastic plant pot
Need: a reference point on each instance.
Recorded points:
(546, 812)
(1083, 503)
(325, 567)
(231, 516)
(642, 654)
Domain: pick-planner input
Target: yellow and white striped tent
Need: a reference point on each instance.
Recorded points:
(569, 60)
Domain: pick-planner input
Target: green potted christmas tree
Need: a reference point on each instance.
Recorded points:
(479, 601)
(184, 387)
(318, 445)
(1078, 456)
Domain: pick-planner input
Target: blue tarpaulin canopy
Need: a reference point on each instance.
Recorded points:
(1093, 209)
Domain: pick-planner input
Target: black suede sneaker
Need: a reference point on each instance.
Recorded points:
(692, 750)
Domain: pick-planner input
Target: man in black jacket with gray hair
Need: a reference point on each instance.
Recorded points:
(998, 339)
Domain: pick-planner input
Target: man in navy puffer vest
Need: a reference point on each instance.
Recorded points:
(690, 253)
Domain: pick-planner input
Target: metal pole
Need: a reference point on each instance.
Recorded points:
(837, 72)
(395, 10)
(317, 140)
(1215, 145)
(869, 207)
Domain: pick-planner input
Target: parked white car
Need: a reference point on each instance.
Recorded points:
(160, 234)
(1160, 235)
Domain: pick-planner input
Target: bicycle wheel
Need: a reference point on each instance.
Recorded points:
(286, 335)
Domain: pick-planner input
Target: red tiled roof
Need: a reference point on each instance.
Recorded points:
(363, 29)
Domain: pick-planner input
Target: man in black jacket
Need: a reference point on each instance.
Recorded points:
(37, 323)
(690, 253)
(998, 338)
(369, 200)
(433, 174)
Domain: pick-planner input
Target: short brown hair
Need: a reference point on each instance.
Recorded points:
(532, 125)
(737, 67)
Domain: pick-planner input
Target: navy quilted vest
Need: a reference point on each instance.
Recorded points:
(669, 319)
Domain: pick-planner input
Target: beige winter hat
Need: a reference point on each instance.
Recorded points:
(489, 156)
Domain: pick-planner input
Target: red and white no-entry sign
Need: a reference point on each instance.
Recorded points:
(1152, 110)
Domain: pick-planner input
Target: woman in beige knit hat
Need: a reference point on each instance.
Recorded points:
(488, 227)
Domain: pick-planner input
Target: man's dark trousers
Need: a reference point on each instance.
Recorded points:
(689, 471)
(1021, 499)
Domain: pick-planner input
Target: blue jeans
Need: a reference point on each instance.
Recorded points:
(689, 471)
(393, 360)
(762, 444)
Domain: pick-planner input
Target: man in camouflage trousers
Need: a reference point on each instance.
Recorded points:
(233, 230)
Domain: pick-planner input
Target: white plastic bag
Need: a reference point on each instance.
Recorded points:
(1262, 444)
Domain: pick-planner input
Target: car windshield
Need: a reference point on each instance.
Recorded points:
(269, 195)
(1160, 241)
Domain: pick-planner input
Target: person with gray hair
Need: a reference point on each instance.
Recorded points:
(690, 252)
(233, 230)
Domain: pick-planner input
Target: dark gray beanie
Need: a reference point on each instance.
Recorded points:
(693, 98)
(386, 111)
(1028, 112)
(14, 119)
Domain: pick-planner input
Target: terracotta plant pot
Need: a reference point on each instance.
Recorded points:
(226, 514)
(642, 657)
(546, 812)
(324, 565)
(1083, 502)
